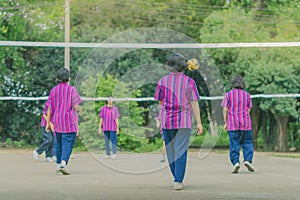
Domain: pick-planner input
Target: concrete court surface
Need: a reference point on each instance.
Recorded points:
(93, 177)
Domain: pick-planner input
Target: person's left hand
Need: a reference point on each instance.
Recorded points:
(225, 127)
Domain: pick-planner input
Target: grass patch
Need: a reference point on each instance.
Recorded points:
(286, 155)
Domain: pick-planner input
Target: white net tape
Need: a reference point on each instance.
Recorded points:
(149, 45)
(149, 98)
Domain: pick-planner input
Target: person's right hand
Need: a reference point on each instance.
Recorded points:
(48, 127)
(199, 129)
(99, 131)
(52, 127)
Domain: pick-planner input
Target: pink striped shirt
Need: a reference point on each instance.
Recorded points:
(43, 121)
(238, 101)
(63, 98)
(109, 116)
(176, 91)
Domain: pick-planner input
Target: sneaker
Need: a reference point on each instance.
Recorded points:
(58, 172)
(49, 159)
(54, 158)
(178, 186)
(249, 166)
(113, 156)
(236, 168)
(163, 159)
(64, 171)
(107, 157)
(35, 155)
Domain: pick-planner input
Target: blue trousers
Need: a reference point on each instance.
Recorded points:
(239, 139)
(177, 144)
(64, 146)
(54, 145)
(47, 143)
(110, 137)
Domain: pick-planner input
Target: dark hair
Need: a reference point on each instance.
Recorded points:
(177, 62)
(62, 75)
(238, 82)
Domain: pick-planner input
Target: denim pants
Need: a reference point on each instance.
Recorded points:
(177, 144)
(110, 137)
(54, 145)
(64, 146)
(47, 143)
(239, 139)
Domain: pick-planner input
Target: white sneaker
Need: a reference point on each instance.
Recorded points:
(113, 156)
(49, 159)
(54, 158)
(249, 166)
(178, 186)
(35, 155)
(64, 170)
(163, 159)
(236, 168)
(107, 157)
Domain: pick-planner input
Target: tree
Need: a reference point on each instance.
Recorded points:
(258, 65)
(27, 71)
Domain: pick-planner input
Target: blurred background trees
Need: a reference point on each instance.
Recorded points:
(30, 71)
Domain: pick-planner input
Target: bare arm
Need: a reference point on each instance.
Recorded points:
(100, 126)
(196, 110)
(225, 116)
(47, 118)
(117, 123)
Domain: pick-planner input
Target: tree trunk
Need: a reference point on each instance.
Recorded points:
(212, 124)
(282, 133)
(265, 130)
(272, 132)
(255, 124)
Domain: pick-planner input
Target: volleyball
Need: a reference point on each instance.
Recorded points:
(193, 64)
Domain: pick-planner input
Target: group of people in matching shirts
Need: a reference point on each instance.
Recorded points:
(178, 99)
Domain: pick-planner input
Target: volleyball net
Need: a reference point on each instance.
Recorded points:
(136, 46)
(102, 59)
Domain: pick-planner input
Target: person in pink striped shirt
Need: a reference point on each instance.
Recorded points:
(48, 138)
(64, 101)
(236, 110)
(109, 124)
(178, 96)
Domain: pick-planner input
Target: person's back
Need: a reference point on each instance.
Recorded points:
(238, 104)
(63, 99)
(176, 95)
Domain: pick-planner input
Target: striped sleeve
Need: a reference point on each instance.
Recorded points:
(193, 93)
(158, 92)
(249, 101)
(101, 115)
(75, 97)
(225, 102)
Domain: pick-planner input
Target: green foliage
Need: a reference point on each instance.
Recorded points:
(28, 71)
(207, 140)
(132, 134)
(266, 70)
